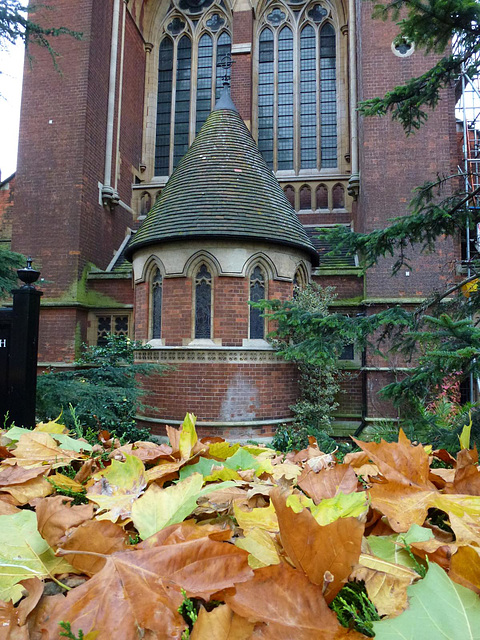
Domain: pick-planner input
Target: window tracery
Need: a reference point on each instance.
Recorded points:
(195, 36)
(297, 112)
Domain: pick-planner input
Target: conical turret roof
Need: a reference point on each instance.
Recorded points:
(222, 188)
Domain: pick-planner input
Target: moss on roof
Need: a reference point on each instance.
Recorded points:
(222, 188)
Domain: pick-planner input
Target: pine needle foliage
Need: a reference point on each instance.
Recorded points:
(17, 23)
(431, 25)
(9, 263)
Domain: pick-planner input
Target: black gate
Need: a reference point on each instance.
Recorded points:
(18, 352)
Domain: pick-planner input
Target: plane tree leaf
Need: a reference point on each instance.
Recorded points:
(386, 583)
(438, 609)
(24, 554)
(221, 624)
(147, 584)
(332, 550)
(188, 436)
(327, 483)
(117, 487)
(158, 508)
(37, 448)
(288, 604)
(261, 547)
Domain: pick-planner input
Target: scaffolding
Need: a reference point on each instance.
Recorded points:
(468, 123)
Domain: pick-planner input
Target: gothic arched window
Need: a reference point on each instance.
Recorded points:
(297, 112)
(203, 302)
(257, 292)
(157, 294)
(189, 78)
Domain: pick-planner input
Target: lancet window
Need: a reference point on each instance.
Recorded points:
(157, 295)
(257, 293)
(195, 38)
(203, 302)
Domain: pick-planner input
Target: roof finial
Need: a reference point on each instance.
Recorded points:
(226, 63)
(225, 101)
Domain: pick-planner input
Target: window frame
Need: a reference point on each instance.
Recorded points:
(265, 275)
(195, 28)
(296, 24)
(92, 329)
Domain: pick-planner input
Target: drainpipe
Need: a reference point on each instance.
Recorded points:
(120, 90)
(354, 182)
(109, 195)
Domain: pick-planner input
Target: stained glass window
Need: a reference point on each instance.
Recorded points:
(305, 138)
(257, 292)
(157, 293)
(189, 80)
(203, 303)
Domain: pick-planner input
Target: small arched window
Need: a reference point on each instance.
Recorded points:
(322, 197)
(299, 280)
(289, 192)
(338, 196)
(203, 303)
(157, 294)
(305, 197)
(257, 293)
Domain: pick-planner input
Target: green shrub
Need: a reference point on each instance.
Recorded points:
(104, 388)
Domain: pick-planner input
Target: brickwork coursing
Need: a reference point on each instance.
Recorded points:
(221, 392)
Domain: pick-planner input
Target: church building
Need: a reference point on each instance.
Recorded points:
(158, 202)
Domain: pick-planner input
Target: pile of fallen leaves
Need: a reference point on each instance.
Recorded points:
(135, 540)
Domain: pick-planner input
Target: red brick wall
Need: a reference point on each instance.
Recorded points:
(345, 286)
(7, 194)
(58, 218)
(231, 310)
(242, 69)
(141, 312)
(57, 332)
(223, 392)
(120, 290)
(176, 310)
(391, 164)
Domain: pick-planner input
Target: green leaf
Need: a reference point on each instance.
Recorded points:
(203, 466)
(71, 444)
(24, 554)
(390, 548)
(158, 508)
(438, 609)
(343, 505)
(241, 460)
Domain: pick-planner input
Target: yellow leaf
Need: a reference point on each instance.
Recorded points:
(52, 426)
(64, 482)
(286, 470)
(330, 509)
(222, 474)
(223, 450)
(117, 487)
(464, 437)
(261, 518)
(159, 508)
(188, 436)
(261, 548)
(386, 583)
